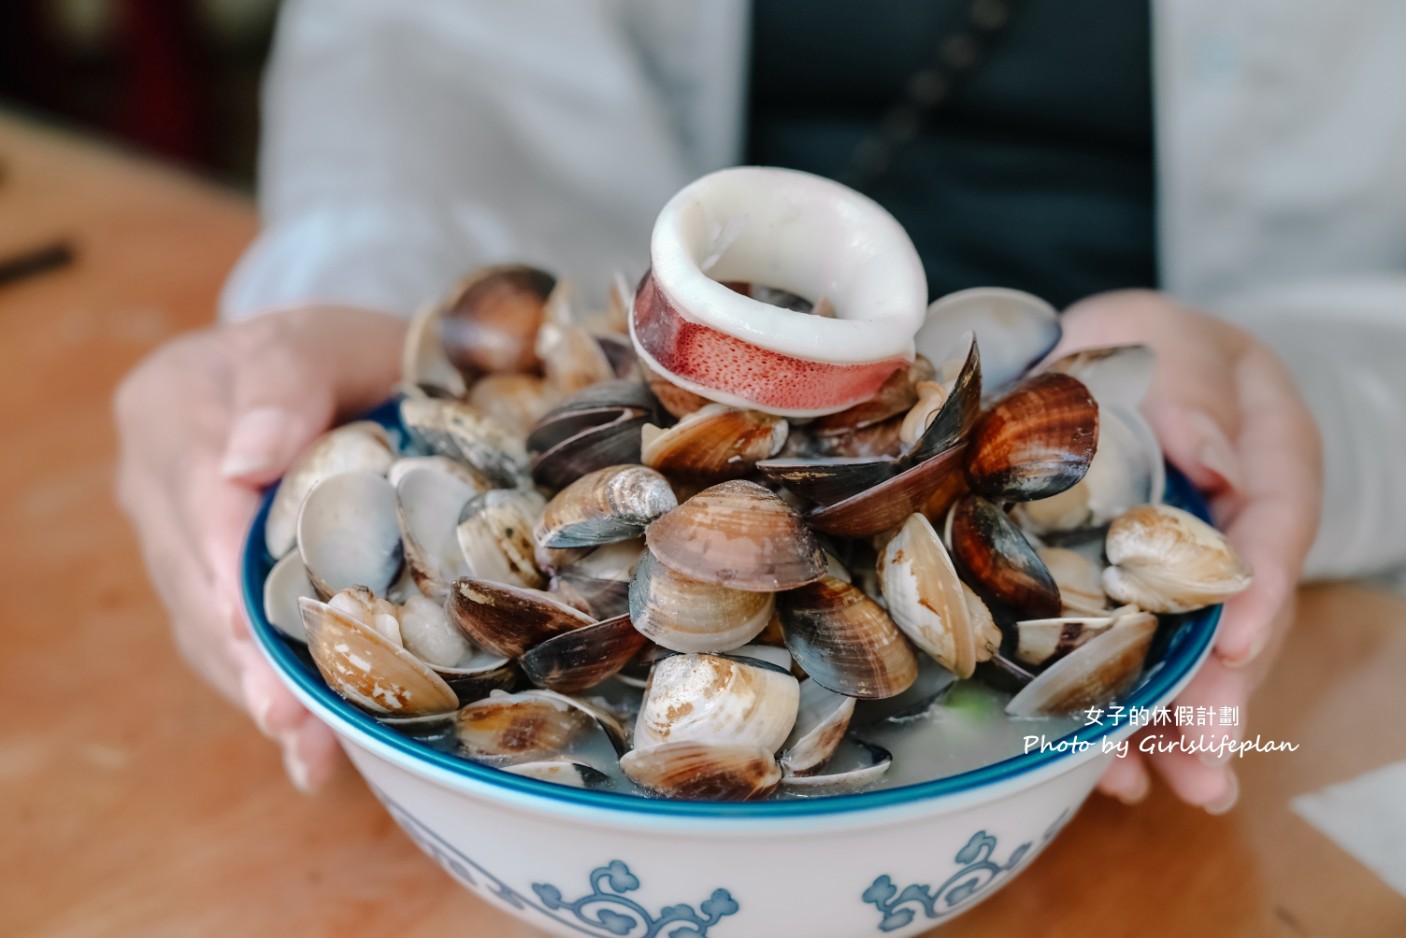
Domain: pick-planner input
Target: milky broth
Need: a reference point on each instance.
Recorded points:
(938, 729)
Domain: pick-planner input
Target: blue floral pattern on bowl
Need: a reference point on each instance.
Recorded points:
(606, 910)
(976, 871)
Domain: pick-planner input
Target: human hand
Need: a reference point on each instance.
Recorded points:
(204, 422)
(1229, 416)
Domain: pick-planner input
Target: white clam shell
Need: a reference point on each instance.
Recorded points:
(925, 597)
(360, 446)
(687, 615)
(1092, 674)
(348, 533)
(428, 503)
(286, 583)
(495, 535)
(716, 700)
(1163, 559)
(1014, 329)
(820, 725)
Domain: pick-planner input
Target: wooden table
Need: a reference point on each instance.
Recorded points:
(135, 802)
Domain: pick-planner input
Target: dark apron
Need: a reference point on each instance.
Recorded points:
(1036, 173)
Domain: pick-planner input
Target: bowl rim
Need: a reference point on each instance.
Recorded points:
(1187, 643)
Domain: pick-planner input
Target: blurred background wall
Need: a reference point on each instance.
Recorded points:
(177, 78)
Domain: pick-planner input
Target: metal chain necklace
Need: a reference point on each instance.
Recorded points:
(954, 58)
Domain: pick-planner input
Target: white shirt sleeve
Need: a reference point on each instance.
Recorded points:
(1345, 342)
(407, 143)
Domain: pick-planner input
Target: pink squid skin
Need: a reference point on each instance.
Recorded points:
(769, 380)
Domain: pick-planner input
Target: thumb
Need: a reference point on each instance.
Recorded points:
(312, 365)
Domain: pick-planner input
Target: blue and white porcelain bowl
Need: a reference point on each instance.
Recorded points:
(577, 862)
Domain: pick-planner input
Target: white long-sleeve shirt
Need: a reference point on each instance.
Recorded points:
(407, 142)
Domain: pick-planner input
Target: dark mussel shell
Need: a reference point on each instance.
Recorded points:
(596, 427)
(957, 415)
(861, 498)
(887, 504)
(828, 480)
(509, 619)
(1034, 442)
(580, 659)
(998, 562)
(845, 641)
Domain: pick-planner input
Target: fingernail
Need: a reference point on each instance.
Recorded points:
(261, 441)
(1216, 453)
(1137, 792)
(1214, 759)
(257, 698)
(260, 706)
(1254, 651)
(1226, 801)
(297, 768)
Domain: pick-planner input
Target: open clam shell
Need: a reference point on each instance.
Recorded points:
(1091, 675)
(820, 725)
(287, 583)
(455, 429)
(717, 700)
(1127, 470)
(690, 771)
(1116, 375)
(561, 770)
(610, 504)
(928, 600)
(1036, 441)
(580, 659)
(1079, 578)
(869, 763)
(362, 446)
(688, 615)
(845, 641)
(740, 535)
(1163, 559)
(957, 414)
(572, 358)
(714, 443)
(998, 561)
(423, 362)
(490, 322)
(1042, 641)
(428, 502)
(495, 536)
(509, 619)
(369, 669)
(512, 400)
(600, 581)
(508, 729)
(1015, 330)
(349, 535)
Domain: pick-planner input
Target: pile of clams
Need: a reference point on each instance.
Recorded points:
(567, 567)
